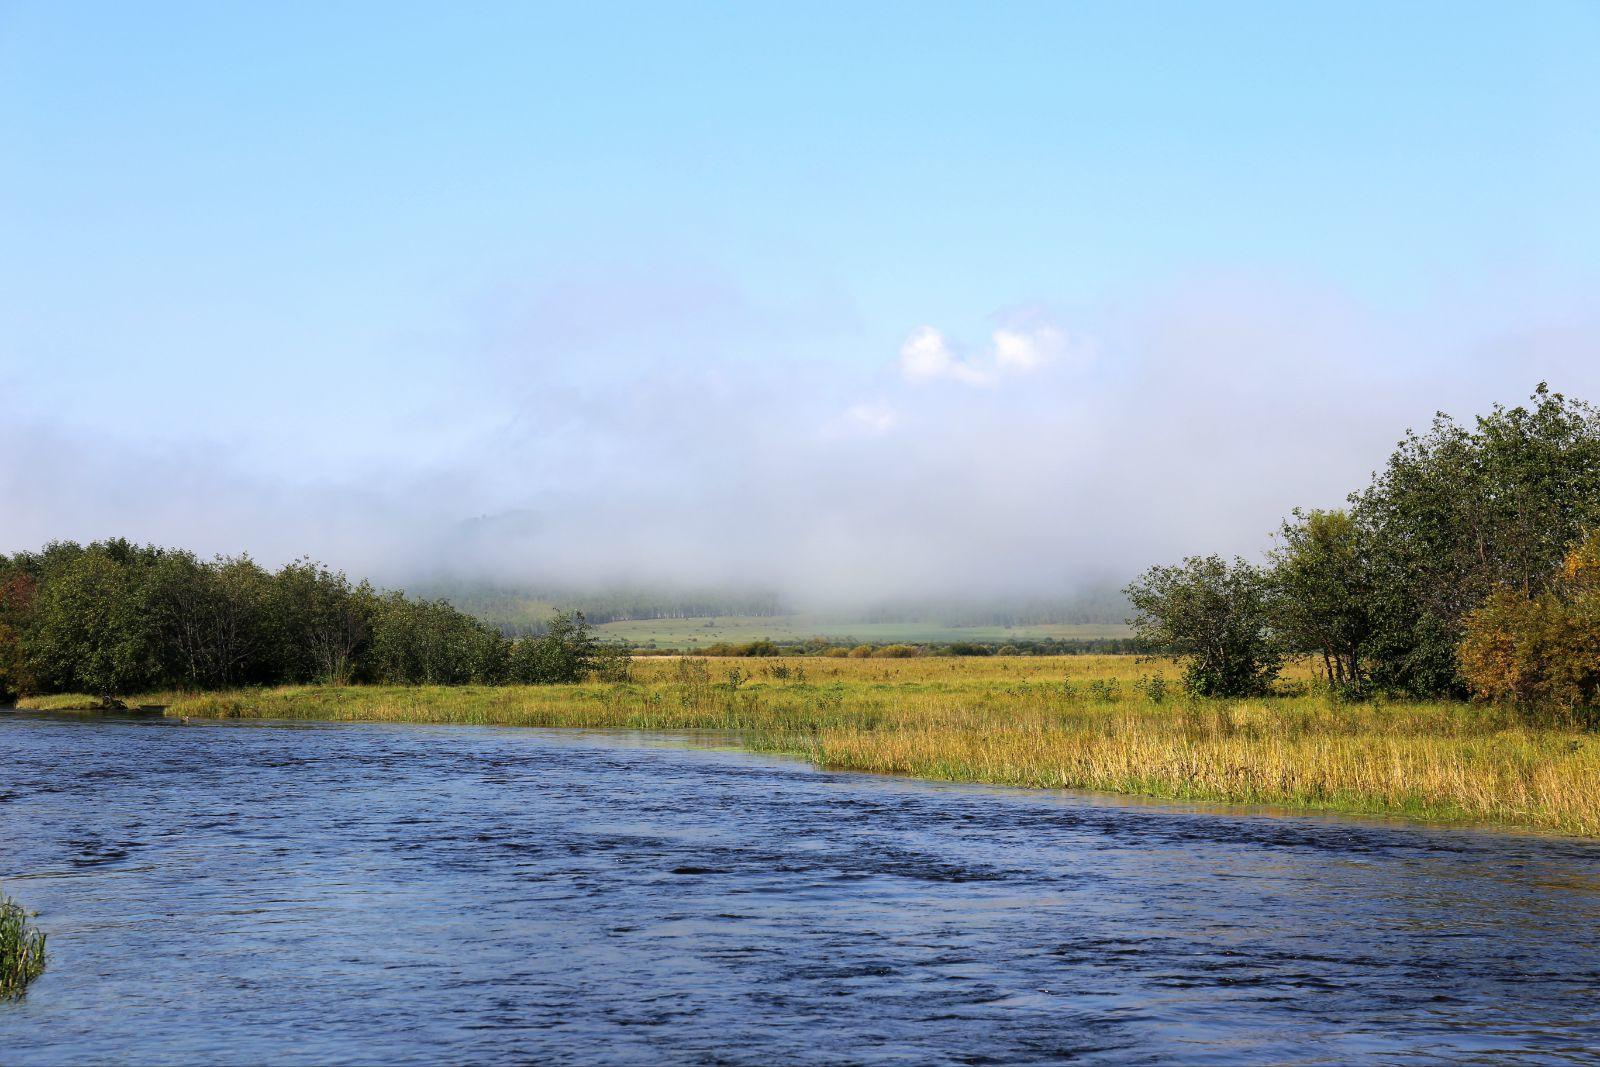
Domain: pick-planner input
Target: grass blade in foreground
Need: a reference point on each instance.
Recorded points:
(21, 950)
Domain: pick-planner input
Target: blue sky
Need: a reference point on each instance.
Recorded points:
(335, 278)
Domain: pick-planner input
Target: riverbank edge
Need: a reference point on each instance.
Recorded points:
(846, 729)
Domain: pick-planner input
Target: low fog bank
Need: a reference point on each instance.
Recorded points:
(513, 604)
(1045, 459)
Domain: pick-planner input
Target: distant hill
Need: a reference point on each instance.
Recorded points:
(682, 615)
(521, 610)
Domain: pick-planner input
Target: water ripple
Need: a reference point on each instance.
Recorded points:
(239, 893)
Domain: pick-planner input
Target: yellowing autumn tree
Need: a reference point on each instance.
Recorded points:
(1544, 649)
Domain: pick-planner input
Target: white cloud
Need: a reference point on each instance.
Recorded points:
(927, 356)
(1018, 351)
(872, 418)
(867, 419)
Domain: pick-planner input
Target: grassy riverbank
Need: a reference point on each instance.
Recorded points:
(1080, 722)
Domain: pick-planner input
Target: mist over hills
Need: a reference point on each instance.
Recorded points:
(523, 607)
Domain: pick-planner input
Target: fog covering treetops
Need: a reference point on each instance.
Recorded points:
(1382, 592)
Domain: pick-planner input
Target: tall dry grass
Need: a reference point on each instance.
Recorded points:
(1077, 722)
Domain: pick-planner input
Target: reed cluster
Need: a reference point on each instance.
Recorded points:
(21, 950)
(1114, 723)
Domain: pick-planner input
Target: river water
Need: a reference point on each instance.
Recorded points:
(241, 893)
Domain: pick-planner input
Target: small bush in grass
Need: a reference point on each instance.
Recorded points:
(1104, 690)
(21, 950)
(1153, 686)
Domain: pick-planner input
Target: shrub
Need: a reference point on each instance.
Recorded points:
(1153, 686)
(759, 647)
(611, 662)
(567, 652)
(1215, 615)
(1104, 690)
(898, 651)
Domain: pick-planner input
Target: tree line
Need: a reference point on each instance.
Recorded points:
(1470, 565)
(114, 617)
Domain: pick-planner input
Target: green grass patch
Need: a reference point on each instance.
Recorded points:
(61, 702)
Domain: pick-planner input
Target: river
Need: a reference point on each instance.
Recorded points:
(245, 893)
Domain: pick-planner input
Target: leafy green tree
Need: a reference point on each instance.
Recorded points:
(18, 590)
(212, 618)
(1322, 581)
(1216, 616)
(429, 642)
(1459, 513)
(114, 617)
(93, 630)
(14, 674)
(320, 621)
(566, 652)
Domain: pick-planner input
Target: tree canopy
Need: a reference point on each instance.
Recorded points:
(112, 618)
(1461, 520)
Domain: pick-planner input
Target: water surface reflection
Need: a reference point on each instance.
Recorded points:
(238, 893)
